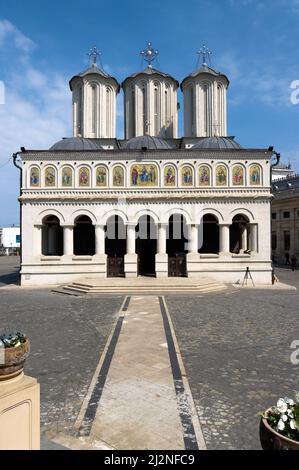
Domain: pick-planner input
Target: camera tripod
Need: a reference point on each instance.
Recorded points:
(247, 276)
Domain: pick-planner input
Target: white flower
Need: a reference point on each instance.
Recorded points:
(292, 424)
(290, 413)
(280, 425)
(289, 401)
(284, 418)
(282, 406)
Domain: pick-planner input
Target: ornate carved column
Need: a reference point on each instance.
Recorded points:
(244, 235)
(193, 258)
(100, 239)
(253, 238)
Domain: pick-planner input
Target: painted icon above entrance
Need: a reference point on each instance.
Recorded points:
(144, 175)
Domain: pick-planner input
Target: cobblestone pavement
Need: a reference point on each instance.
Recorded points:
(235, 347)
(236, 350)
(67, 337)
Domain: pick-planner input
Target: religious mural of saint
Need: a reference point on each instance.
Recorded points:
(101, 176)
(118, 176)
(238, 175)
(204, 175)
(221, 175)
(169, 175)
(34, 176)
(66, 177)
(84, 176)
(49, 176)
(187, 179)
(255, 175)
(144, 175)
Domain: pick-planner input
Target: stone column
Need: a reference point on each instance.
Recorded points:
(224, 246)
(161, 256)
(193, 257)
(68, 240)
(100, 257)
(131, 256)
(253, 238)
(244, 239)
(193, 239)
(100, 239)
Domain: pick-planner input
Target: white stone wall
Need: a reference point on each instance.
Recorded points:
(150, 107)
(205, 106)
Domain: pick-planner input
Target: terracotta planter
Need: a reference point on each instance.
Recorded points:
(14, 361)
(272, 440)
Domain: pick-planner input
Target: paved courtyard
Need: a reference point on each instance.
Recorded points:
(235, 347)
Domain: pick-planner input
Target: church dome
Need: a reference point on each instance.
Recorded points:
(146, 141)
(217, 143)
(76, 143)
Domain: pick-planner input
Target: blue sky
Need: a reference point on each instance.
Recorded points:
(44, 43)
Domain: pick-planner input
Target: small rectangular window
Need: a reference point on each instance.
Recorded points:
(286, 236)
(274, 240)
(273, 215)
(298, 214)
(286, 214)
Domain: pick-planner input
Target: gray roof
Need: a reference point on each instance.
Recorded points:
(76, 143)
(217, 143)
(146, 142)
(205, 69)
(284, 184)
(150, 71)
(91, 71)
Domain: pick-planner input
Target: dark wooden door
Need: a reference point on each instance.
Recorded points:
(115, 266)
(177, 266)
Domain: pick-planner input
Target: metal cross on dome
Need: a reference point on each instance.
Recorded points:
(93, 55)
(205, 53)
(149, 54)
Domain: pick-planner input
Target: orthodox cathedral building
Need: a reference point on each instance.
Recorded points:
(152, 204)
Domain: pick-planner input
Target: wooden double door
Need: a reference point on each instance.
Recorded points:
(115, 266)
(177, 265)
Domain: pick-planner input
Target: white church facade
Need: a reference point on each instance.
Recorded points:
(151, 204)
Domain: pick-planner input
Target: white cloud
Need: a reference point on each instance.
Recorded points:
(9, 32)
(36, 112)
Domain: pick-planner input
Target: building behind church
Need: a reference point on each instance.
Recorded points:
(153, 203)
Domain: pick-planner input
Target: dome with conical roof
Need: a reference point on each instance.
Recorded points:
(217, 143)
(75, 143)
(146, 142)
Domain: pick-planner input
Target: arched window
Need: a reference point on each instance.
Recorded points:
(84, 236)
(94, 108)
(133, 112)
(206, 109)
(34, 176)
(239, 234)
(108, 111)
(210, 234)
(52, 236)
(144, 110)
(50, 176)
(192, 108)
(156, 109)
(79, 110)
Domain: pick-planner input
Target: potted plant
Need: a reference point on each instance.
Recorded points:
(279, 426)
(14, 349)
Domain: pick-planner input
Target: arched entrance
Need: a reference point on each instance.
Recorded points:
(52, 236)
(146, 245)
(176, 246)
(239, 234)
(115, 246)
(84, 236)
(210, 234)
